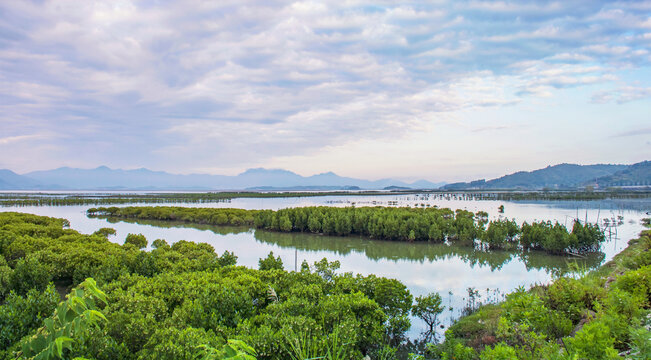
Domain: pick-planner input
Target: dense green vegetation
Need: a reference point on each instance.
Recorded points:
(183, 301)
(382, 250)
(387, 223)
(180, 301)
(597, 316)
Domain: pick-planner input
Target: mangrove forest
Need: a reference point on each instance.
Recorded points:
(388, 223)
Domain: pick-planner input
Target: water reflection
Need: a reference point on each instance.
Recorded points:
(220, 230)
(422, 252)
(379, 250)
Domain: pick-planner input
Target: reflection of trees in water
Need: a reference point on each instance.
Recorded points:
(391, 250)
(220, 230)
(421, 252)
(558, 265)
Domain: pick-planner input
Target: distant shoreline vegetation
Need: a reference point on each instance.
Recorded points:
(100, 198)
(388, 223)
(103, 198)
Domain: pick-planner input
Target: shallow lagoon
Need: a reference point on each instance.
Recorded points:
(422, 267)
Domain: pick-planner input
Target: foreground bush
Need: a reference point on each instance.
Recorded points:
(599, 316)
(181, 301)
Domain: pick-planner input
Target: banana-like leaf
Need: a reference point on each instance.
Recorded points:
(61, 343)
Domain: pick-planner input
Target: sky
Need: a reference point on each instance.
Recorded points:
(438, 90)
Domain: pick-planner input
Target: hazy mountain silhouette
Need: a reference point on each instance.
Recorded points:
(562, 176)
(104, 178)
(9, 180)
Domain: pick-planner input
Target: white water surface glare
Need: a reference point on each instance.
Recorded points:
(422, 267)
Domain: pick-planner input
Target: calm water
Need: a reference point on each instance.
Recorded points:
(422, 267)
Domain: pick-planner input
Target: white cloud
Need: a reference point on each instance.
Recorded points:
(622, 95)
(13, 139)
(262, 79)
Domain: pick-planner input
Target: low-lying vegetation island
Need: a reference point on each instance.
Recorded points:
(99, 198)
(388, 223)
(184, 301)
(53, 199)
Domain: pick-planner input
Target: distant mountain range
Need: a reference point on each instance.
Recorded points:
(566, 176)
(9, 180)
(104, 178)
(562, 176)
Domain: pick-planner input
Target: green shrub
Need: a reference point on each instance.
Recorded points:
(637, 282)
(640, 343)
(475, 327)
(528, 309)
(133, 316)
(5, 281)
(592, 342)
(227, 259)
(270, 262)
(131, 329)
(170, 343)
(20, 315)
(619, 310)
(499, 352)
(105, 232)
(30, 273)
(160, 244)
(6, 239)
(139, 240)
(573, 297)
(450, 349)
(555, 325)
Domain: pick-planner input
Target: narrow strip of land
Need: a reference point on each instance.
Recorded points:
(103, 198)
(387, 223)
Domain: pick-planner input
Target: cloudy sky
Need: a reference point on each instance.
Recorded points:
(441, 90)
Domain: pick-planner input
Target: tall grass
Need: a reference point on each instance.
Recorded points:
(306, 346)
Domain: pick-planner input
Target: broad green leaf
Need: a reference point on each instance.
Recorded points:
(60, 343)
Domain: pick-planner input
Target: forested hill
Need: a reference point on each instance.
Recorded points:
(562, 176)
(635, 175)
